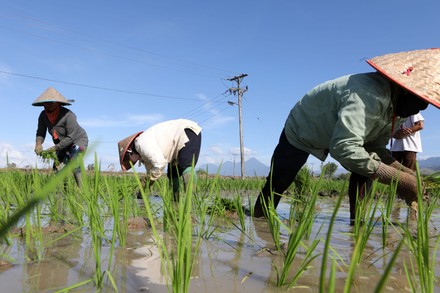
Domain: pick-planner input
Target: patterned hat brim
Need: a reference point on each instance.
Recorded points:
(417, 71)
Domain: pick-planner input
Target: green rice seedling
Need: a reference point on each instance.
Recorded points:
(364, 231)
(26, 207)
(116, 231)
(75, 286)
(94, 214)
(202, 207)
(178, 262)
(364, 225)
(296, 235)
(240, 211)
(206, 226)
(366, 220)
(381, 284)
(273, 221)
(302, 182)
(420, 247)
(325, 255)
(49, 156)
(306, 205)
(432, 181)
(183, 262)
(386, 213)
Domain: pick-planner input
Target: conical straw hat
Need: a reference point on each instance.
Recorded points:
(417, 71)
(51, 95)
(122, 148)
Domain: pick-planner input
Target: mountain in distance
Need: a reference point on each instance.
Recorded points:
(430, 164)
(252, 167)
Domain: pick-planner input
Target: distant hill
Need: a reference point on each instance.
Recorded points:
(431, 164)
(252, 167)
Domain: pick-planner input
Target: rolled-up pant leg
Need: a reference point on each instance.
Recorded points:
(286, 162)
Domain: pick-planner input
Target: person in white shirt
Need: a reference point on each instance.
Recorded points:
(407, 141)
(174, 144)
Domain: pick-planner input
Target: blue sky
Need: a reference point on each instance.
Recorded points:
(131, 64)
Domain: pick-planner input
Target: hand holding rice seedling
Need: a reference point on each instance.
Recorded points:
(49, 155)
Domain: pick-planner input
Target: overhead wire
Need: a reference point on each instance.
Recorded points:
(98, 87)
(50, 25)
(199, 110)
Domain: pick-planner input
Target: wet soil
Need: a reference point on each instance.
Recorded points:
(229, 261)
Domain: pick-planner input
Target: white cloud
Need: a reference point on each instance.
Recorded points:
(246, 151)
(216, 150)
(23, 157)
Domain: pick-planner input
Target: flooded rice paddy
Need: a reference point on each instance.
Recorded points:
(230, 260)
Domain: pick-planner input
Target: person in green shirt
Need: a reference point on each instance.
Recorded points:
(352, 118)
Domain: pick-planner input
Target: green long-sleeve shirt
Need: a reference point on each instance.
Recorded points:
(349, 117)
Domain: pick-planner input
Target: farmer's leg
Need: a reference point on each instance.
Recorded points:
(286, 162)
(356, 189)
(73, 154)
(410, 160)
(173, 176)
(188, 156)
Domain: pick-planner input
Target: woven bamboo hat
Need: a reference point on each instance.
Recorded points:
(417, 71)
(122, 148)
(51, 95)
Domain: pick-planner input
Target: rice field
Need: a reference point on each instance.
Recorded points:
(114, 236)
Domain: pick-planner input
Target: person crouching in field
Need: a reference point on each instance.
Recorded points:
(351, 118)
(68, 136)
(174, 144)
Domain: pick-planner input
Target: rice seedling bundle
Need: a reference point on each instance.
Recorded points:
(49, 155)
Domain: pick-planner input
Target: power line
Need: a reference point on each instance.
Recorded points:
(202, 108)
(198, 110)
(50, 27)
(98, 87)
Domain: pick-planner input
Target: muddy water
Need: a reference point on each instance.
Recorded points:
(230, 261)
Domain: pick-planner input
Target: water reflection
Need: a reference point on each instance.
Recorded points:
(229, 261)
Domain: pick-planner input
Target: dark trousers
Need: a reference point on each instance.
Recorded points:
(286, 162)
(356, 191)
(185, 157)
(406, 158)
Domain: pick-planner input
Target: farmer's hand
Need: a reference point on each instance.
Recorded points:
(402, 132)
(38, 149)
(402, 168)
(52, 149)
(38, 145)
(406, 183)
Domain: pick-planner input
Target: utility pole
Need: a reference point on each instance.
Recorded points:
(239, 92)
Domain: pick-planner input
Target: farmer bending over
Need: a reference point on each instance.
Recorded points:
(174, 143)
(351, 118)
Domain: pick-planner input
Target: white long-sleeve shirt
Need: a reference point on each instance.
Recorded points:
(160, 144)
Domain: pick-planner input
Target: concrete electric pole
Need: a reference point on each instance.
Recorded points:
(239, 92)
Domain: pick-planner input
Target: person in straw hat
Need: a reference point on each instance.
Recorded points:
(68, 136)
(352, 119)
(174, 144)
